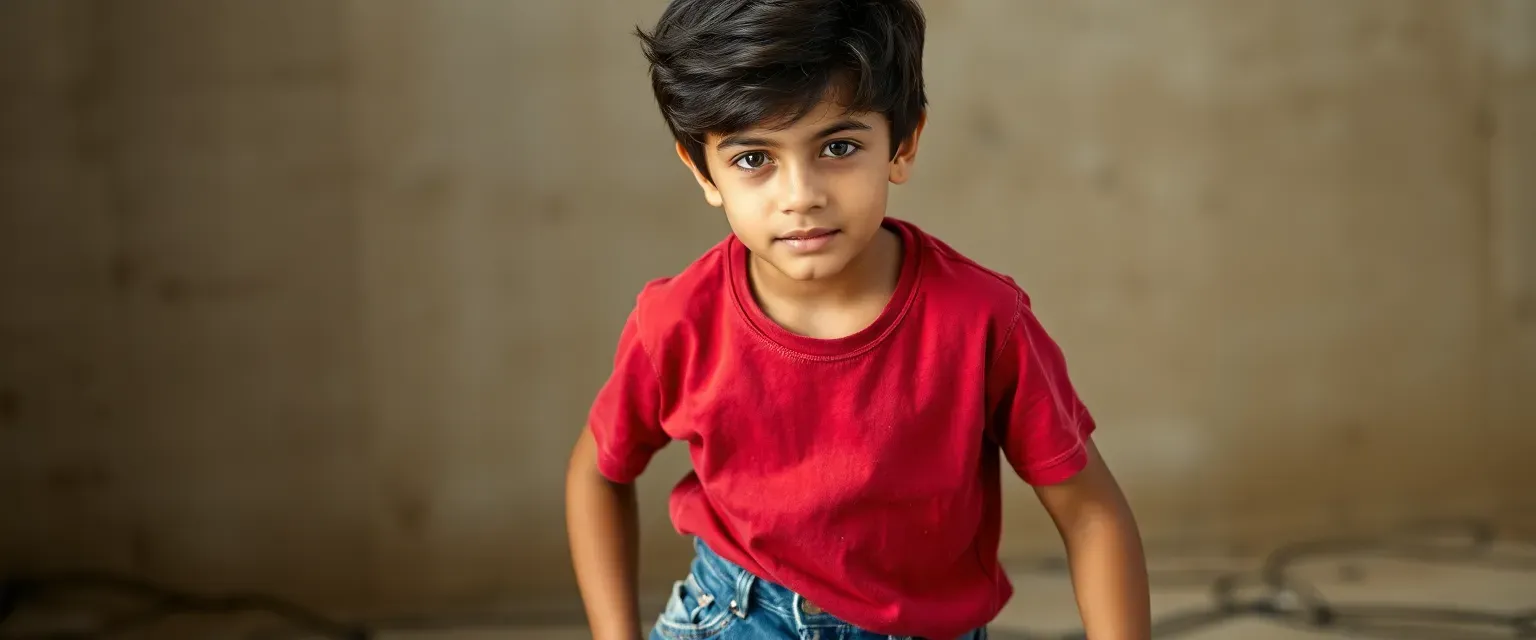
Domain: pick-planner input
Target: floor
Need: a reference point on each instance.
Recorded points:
(1405, 590)
(1043, 606)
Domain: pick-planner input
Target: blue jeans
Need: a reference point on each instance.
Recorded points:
(720, 600)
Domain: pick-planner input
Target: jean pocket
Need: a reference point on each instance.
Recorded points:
(693, 613)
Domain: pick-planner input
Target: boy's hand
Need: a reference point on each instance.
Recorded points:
(1109, 568)
(604, 533)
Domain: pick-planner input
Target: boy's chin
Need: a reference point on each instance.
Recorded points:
(808, 269)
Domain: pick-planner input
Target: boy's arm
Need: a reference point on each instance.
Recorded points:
(1109, 569)
(604, 533)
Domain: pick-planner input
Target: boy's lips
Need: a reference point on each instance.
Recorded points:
(808, 240)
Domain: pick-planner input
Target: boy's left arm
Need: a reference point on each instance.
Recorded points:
(1104, 549)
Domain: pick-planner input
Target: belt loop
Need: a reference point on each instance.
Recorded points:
(744, 581)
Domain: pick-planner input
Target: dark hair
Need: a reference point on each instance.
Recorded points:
(723, 66)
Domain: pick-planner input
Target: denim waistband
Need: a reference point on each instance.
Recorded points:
(750, 593)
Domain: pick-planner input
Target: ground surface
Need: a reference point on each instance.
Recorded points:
(1403, 591)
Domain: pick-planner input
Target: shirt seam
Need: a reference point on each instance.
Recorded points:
(641, 336)
(874, 343)
(1018, 314)
(997, 432)
(1058, 459)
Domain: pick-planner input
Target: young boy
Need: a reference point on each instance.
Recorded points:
(847, 384)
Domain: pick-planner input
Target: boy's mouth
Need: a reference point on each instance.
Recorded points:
(808, 240)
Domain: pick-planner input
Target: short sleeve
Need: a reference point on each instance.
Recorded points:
(1038, 419)
(625, 417)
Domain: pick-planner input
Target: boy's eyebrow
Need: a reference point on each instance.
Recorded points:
(740, 140)
(841, 126)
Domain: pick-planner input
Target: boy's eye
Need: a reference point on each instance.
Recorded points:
(753, 160)
(840, 148)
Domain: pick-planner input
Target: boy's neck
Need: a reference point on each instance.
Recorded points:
(836, 306)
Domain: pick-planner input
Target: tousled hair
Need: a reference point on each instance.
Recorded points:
(723, 66)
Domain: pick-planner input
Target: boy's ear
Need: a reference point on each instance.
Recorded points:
(901, 164)
(711, 194)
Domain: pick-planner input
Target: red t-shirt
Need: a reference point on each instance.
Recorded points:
(861, 472)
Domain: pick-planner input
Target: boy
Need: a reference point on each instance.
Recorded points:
(846, 383)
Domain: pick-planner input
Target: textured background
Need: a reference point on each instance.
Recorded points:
(310, 297)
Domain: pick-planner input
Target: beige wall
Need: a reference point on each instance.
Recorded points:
(311, 297)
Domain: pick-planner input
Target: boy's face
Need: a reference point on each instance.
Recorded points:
(807, 199)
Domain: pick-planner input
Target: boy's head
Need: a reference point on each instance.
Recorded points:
(794, 116)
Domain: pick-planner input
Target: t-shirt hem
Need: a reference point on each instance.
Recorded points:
(1065, 464)
(615, 470)
(1061, 469)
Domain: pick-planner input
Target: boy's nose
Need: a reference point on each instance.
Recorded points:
(802, 192)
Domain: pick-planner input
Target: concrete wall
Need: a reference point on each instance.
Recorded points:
(183, 385)
(311, 297)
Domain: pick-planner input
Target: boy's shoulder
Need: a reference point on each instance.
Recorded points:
(953, 280)
(695, 292)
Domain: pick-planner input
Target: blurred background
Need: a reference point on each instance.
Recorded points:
(309, 298)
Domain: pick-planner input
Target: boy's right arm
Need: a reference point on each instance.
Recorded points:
(603, 527)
